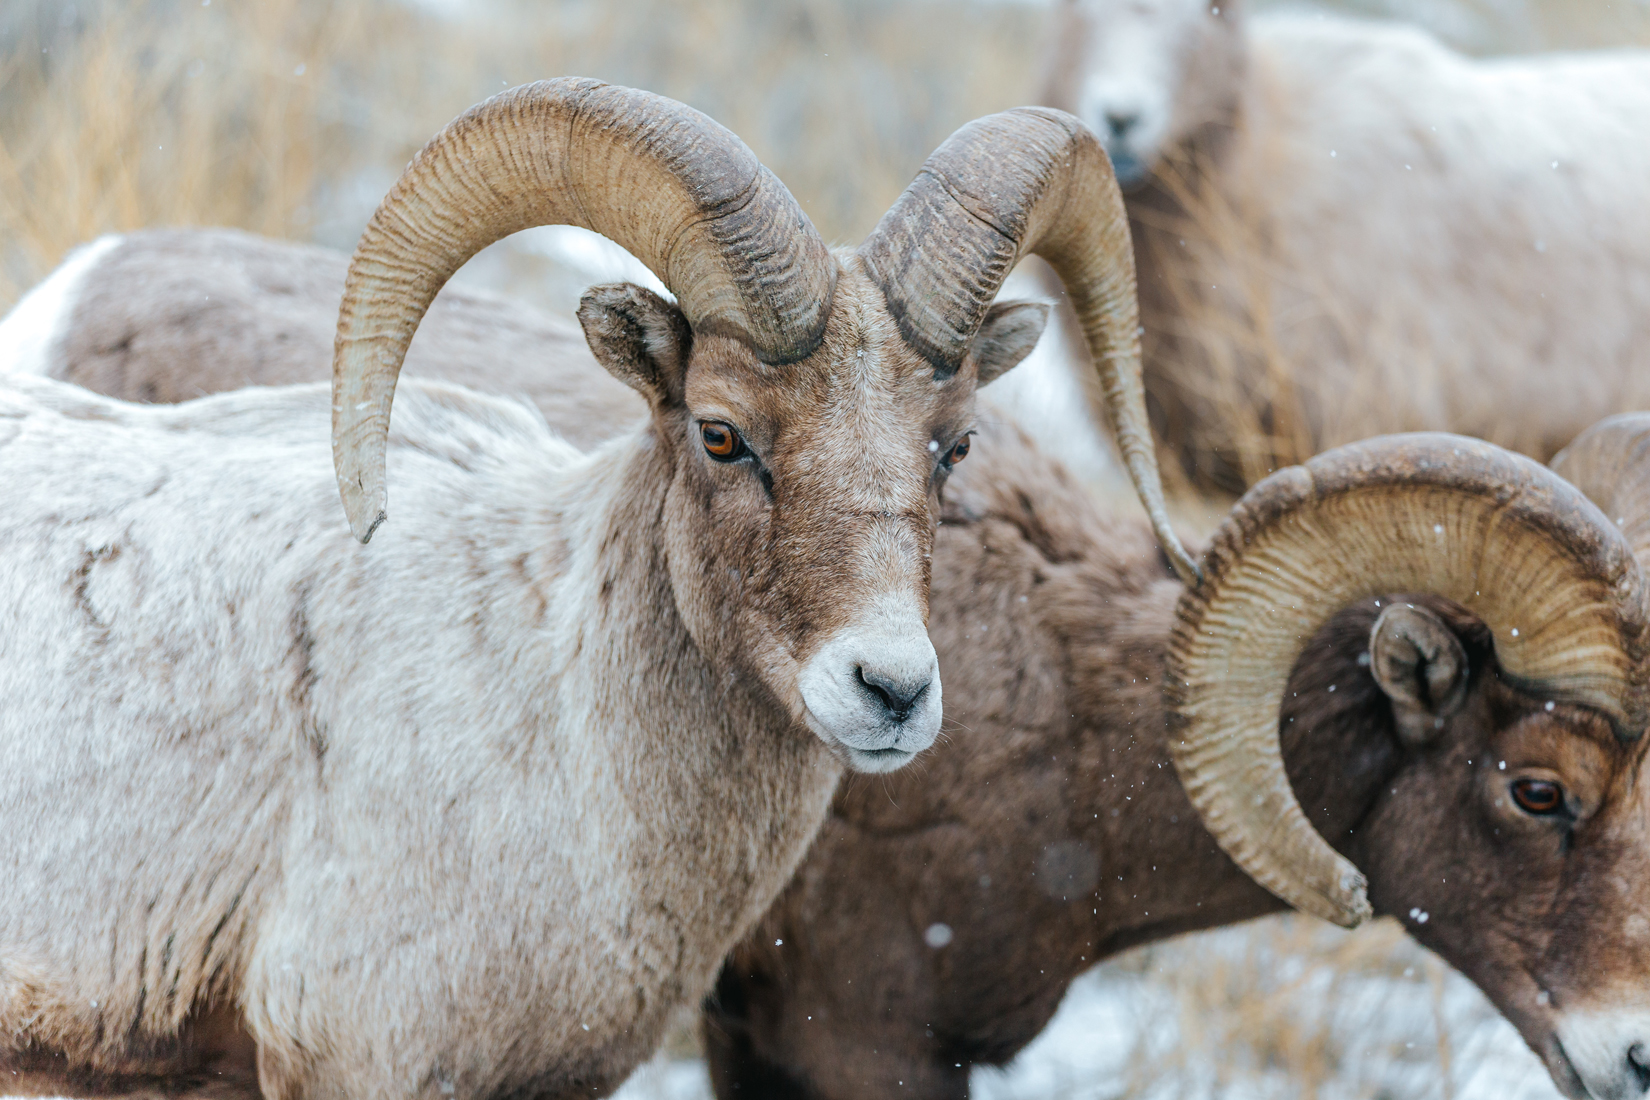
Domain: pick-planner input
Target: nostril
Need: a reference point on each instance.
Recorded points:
(897, 698)
(1120, 123)
(1638, 1064)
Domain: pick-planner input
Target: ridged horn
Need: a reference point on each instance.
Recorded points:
(1610, 462)
(678, 190)
(1031, 181)
(1523, 549)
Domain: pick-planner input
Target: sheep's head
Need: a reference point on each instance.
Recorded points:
(1510, 834)
(806, 406)
(1146, 74)
(1509, 837)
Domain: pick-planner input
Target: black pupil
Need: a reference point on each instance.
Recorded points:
(1537, 796)
(716, 438)
(959, 449)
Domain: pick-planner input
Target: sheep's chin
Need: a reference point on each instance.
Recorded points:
(877, 761)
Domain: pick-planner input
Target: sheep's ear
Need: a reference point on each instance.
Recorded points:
(1421, 665)
(1007, 335)
(640, 338)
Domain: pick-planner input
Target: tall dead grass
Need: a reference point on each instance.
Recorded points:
(1334, 1012)
(291, 117)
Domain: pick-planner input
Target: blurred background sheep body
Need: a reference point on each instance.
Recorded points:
(291, 118)
(1345, 228)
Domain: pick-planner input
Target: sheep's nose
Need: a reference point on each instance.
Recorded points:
(898, 698)
(1120, 123)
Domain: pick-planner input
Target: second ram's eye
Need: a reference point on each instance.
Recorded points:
(1538, 796)
(958, 452)
(721, 441)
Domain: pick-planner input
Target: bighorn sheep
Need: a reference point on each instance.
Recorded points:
(1055, 793)
(165, 315)
(470, 811)
(1344, 228)
(1473, 745)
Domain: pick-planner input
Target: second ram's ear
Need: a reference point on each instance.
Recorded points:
(1007, 335)
(640, 338)
(1421, 666)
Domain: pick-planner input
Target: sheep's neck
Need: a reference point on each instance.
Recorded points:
(702, 779)
(1165, 874)
(1161, 872)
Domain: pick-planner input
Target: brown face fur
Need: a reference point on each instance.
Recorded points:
(1051, 830)
(840, 462)
(1540, 907)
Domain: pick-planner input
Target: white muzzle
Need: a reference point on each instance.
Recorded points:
(874, 689)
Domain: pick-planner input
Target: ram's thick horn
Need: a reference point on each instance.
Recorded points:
(1031, 181)
(1610, 462)
(678, 190)
(1523, 549)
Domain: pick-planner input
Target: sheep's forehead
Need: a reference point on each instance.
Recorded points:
(864, 397)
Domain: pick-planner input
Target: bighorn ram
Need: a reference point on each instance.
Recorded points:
(1050, 830)
(166, 315)
(1360, 231)
(469, 811)
(1463, 722)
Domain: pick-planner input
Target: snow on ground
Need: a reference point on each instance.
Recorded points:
(1280, 1008)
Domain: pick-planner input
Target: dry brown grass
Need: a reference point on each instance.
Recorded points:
(1277, 997)
(289, 117)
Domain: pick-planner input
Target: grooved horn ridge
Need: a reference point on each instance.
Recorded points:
(679, 191)
(1031, 181)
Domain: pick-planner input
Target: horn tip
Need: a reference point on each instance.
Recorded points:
(1185, 566)
(1180, 559)
(365, 509)
(365, 537)
(1349, 904)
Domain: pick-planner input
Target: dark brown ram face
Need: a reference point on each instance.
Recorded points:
(1510, 838)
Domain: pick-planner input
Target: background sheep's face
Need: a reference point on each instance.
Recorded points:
(1147, 74)
(799, 553)
(1509, 837)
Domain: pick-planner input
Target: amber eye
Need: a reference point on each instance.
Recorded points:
(958, 452)
(722, 442)
(1538, 796)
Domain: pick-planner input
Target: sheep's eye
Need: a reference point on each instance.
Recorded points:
(721, 441)
(958, 452)
(1538, 796)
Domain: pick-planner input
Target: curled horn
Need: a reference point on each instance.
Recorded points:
(1029, 181)
(1610, 462)
(1508, 539)
(681, 192)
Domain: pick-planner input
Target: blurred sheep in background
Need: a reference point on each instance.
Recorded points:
(1345, 228)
